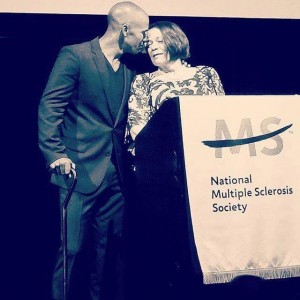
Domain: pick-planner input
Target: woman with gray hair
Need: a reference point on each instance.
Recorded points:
(155, 229)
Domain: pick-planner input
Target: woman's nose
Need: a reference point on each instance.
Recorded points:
(153, 46)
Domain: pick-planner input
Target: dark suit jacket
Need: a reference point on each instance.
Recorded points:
(75, 118)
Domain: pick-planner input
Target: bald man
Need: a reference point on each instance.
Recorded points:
(82, 118)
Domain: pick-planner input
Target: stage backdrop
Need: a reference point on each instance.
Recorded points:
(243, 175)
(196, 8)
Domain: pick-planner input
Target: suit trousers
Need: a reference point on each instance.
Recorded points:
(94, 222)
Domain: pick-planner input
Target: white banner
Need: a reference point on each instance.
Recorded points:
(243, 173)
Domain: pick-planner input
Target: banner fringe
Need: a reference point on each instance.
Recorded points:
(271, 273)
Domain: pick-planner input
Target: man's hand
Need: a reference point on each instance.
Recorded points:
(62, 166)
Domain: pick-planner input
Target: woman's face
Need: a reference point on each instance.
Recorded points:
(157, 47)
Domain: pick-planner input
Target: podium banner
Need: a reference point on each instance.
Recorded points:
(242, 159)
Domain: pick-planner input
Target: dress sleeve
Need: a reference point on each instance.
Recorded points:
(212, 84)
(139, 110)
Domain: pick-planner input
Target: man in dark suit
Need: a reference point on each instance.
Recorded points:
(82, 118)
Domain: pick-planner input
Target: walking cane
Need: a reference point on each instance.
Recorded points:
(65, 233)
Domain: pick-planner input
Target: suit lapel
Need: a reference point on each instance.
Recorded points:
(127, 83)
(101, 65)
(100, 62)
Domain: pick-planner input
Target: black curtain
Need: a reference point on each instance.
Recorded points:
(252, 56)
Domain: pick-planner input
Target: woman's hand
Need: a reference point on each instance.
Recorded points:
(171, 94)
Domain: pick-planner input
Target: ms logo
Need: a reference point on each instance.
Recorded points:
(246, 130)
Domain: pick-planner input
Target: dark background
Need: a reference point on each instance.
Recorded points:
(252, 57)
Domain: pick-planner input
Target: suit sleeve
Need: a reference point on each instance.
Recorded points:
(55, 99)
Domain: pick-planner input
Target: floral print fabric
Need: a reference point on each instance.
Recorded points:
(148, 93)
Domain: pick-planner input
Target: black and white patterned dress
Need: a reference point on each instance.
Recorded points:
(149, 91)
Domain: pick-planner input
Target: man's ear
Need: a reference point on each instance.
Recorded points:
(125, 29)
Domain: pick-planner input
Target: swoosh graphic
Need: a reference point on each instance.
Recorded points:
(238, 142)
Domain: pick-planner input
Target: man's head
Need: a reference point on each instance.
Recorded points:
(131, 22)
